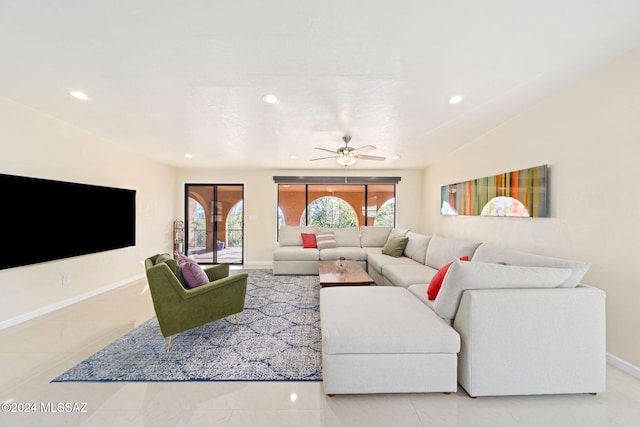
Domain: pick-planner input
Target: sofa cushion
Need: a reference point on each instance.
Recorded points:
(417, 246)
(395, 246)
(309, 240)
(442, 250)
(405, 275)
(377, 260)
(354, 253)
(326, 240)
(436, 281)
(480, 275)
(420, 291)
(344, 236)
(296, 253)
(291, 235)
(381, 320)
(488, 253)
(193, 274)
(397, 232)
(374, 236)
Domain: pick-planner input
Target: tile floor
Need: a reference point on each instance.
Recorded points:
(34, 352)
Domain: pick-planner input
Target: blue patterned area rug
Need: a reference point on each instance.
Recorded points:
(279, 340)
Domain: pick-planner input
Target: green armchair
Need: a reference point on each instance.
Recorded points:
(179, 309)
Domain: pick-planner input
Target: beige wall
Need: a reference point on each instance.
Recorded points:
(589, 135)
(36, 145)
(261, 201)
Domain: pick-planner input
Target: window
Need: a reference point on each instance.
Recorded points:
(329, 211)
(336, 205)
(385, 216)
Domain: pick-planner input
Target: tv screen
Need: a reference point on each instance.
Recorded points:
(46, 220)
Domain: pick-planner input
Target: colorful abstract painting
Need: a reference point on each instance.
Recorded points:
(521, 193)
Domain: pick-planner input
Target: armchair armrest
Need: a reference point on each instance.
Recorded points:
(217, 271)
(532, 341)
(217, 285)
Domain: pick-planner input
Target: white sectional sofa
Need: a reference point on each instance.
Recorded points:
(292, 258)
(506, 323)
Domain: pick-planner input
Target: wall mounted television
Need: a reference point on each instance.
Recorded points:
(46, 220)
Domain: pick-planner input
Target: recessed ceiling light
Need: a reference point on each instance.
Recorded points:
(455, 99)
(188, 156)
(270, 98)
(293, 157)
(395, 157)
(78, 95)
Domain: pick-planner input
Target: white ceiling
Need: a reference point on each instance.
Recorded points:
(172, 77)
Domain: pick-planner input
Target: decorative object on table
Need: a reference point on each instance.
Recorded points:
(279, 340)
(521, 193)
(342, 263)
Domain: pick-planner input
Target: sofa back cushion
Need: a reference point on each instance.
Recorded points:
(397, 232)
(291, 235)
(441, 251)
(345, 236)
(417, 246)
(488, 253)
(463, 276)
(374, 237)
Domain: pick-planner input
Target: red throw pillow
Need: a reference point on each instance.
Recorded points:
(436, 282)
(309, 240)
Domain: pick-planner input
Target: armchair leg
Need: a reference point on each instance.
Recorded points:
(169, 344)
(237, 323)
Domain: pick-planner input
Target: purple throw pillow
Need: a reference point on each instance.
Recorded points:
(193, 275)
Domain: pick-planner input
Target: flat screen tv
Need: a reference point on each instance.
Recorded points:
(46, 220)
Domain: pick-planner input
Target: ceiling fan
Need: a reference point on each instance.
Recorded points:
(346, 156)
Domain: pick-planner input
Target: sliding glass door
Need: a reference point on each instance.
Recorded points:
(214, 216)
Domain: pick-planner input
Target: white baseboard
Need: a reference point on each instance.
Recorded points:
(65, 303)
(623, 365)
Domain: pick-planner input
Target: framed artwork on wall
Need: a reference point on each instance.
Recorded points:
(521, 193)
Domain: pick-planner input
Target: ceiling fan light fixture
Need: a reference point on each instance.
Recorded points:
(346, 160)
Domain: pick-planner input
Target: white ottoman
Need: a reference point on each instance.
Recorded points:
(382, 339)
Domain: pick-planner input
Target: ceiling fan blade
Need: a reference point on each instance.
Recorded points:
(324, 149)
(365, 157)
(322, 158)
(365, 148)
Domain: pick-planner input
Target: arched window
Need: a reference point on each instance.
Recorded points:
(234, 226)
(385, 216)
(198, 232)
(330, 211)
